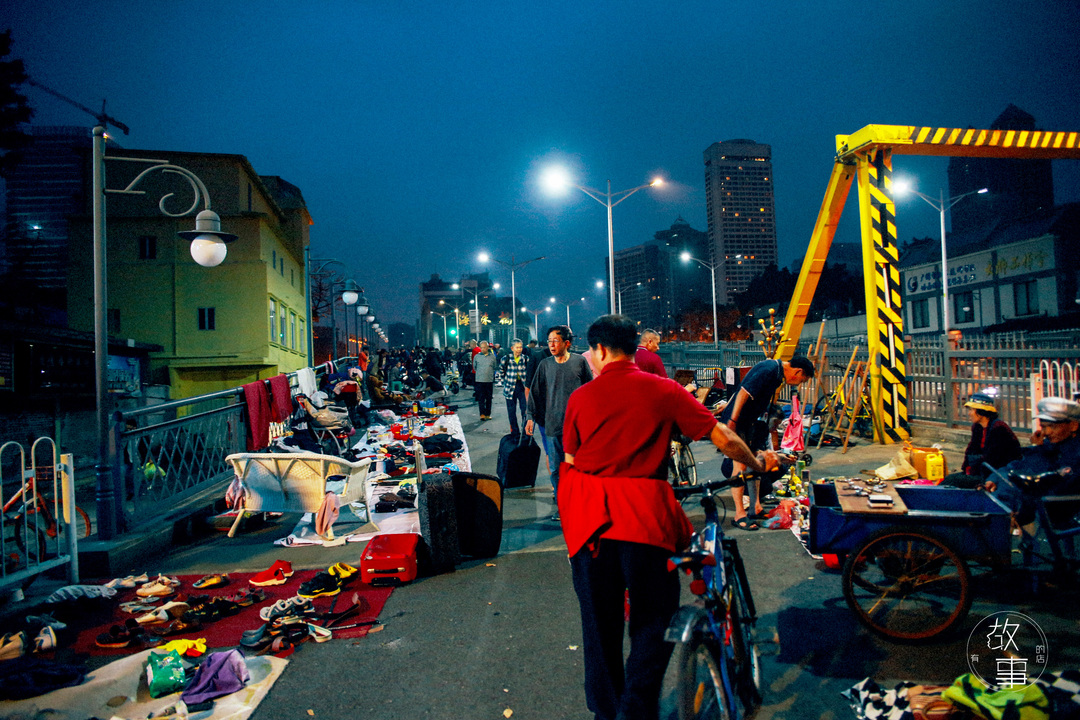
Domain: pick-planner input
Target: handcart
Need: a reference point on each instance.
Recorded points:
(906, 573)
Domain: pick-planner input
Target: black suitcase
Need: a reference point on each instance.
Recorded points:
(479, 514)
(519, 457)
(438, 524)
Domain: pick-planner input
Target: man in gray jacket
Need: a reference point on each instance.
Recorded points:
(555, 378)
(484, 365)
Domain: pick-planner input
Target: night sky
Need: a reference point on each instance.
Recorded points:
(416, 130)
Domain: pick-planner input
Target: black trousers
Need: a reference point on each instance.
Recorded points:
(483, 397)
(614, 691)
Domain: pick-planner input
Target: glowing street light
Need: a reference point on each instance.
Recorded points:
(687, 257)
(903, 187)
(512, 266)
(557, 181)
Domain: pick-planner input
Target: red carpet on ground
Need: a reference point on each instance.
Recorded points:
(227, 631)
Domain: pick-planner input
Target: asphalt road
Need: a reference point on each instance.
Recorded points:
(505, 634)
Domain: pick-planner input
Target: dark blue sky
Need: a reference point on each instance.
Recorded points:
(416, 130)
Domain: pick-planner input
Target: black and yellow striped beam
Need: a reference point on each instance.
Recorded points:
(881, 276)
(959, 142)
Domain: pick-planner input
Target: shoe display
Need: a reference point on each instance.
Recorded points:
(345, 573)
(120, 636)
(322, 585)
(164, 614)
(211, 581)
(45, 640)
(161, 586)
(276, 574)
(12, 645)
(291, 606)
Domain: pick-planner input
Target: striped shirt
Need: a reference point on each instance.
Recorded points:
(514, 370)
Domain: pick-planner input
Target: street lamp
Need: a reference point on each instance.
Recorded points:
(687, 257)
(445, 342)
(536, 319)
(902, 187)
(207, 249)
(568, 305)
(476, 300)
(457, 323)
(484, 257)
(556, 179)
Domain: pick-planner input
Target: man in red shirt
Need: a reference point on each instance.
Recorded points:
(620, 517)
(646, 356)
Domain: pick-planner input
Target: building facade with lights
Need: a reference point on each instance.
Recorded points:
(1023, 274)
(741, 213)
(219, 327)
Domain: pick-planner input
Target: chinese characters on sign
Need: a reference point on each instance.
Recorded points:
(1018, 263)
(1007, 650)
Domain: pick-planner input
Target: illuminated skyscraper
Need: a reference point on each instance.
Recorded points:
(741, 213)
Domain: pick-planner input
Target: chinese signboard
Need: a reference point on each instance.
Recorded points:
(1006, 261)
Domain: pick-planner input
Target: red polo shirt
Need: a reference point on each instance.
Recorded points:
(650, 362)
(621, 423)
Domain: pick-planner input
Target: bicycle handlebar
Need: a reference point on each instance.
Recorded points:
(734, 481)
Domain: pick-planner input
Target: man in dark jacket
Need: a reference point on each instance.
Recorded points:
(992, 442)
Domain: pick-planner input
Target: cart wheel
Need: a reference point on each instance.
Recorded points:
(907, 585)
(807, 459)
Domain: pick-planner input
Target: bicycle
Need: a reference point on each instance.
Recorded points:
(681, 464)
(717, 657)
(29, 513)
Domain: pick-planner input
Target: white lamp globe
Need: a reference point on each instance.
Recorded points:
(208, 250)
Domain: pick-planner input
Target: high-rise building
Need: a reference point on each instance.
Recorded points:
(643, 285)
(690, 281)
(44, 189)
(741, 213)
(1017, 187)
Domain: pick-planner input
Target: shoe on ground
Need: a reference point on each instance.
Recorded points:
(211, 581)
(276, 574)
(45, 640)
(555, 517)
(322, 585)
(290, 606)
(12, 645)
(161, 587)
(344, 573)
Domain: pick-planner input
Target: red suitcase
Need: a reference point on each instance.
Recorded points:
(389, 559)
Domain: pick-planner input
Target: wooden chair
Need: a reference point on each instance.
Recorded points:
(297, 482)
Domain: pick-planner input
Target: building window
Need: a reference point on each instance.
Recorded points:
(282, 267)
(1026, 297)
(963, 307)
(147, 247)
(292, 330)
(920, 314)
(283, 326)
(207, 320)
(273, 257)
(273, 319)
(303, 335)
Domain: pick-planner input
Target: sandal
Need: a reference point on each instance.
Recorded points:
(358, 606)
(745, 523)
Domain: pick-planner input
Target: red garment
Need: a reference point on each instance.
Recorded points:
(621, 423)
(476, 351)
(635, 509)
(650, 362)
(281, 405)
(362, 361)
(258, 414)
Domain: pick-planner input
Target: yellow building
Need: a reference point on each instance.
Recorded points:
(220, 327)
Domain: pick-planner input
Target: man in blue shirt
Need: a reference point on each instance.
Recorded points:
(750, 403)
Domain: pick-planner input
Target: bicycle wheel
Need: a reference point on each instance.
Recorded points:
(747, 658)
(82, 524)
(686, 465)
(699, 685)
(907, 585)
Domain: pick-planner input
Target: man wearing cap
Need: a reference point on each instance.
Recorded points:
(992, 442)
(1056, 446)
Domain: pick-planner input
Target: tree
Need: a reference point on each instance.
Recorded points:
(14, 110)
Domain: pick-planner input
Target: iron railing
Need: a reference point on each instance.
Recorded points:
(167, 453)
(941, 375)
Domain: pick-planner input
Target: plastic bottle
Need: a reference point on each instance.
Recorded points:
(935, 467)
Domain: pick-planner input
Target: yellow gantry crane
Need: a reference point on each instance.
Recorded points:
(866, 155)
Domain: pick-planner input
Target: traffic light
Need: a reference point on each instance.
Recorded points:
(453, 331)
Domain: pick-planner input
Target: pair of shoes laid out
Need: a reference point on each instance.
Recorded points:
(329, 582)
(164, 614)
(211, 581)
(45, 640)
(208, 610)
(127, 582)
(290, 606)
(122, 636)
(277, 574)
(161, 586)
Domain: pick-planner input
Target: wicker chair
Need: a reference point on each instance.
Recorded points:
(296, 482)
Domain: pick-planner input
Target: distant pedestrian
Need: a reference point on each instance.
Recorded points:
(514, 370)
(645, 355)
(556, 377)
(484, 365)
